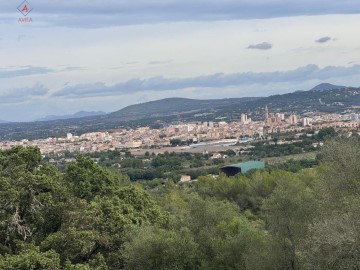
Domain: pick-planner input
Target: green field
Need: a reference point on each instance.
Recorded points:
(275, 160)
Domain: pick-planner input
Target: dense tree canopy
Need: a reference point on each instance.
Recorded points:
(91, 218)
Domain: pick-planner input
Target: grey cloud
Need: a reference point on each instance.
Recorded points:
(323, 39)
(218, 80)
(69, 68)
(23, 94)
(126, 64)
(102, 13)
(20, 71)
(160, 62)
(121, 67)
(131, 63)
(9, 72)
(261, 46)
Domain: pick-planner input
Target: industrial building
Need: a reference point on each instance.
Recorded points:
(242, 167)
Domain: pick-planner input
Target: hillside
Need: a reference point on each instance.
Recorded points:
(157, 113)
(171, 106)
(70, 116)
(326, 86)
(332, 101)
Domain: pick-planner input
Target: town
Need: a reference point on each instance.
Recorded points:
(193, 134)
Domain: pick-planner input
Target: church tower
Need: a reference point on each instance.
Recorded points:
(266, 114)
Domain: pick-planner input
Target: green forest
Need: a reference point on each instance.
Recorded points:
(88, 217)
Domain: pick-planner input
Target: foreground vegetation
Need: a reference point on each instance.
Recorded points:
(88, 217)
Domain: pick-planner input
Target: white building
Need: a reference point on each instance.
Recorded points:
(307, 121)
(244, 119)
(293, 119)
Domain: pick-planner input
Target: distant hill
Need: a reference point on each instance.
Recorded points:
(327, 86)
(171, 106)
(3, 121)
(172, 110)
(70, 116)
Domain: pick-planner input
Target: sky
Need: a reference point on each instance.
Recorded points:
(102, 55)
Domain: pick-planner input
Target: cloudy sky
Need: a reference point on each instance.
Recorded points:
(106, 54)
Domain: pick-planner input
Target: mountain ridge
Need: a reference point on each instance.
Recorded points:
(326, 86)
(173, 110)
(79, 114)
(175, 105)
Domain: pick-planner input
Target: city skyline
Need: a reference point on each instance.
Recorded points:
(203, 136)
